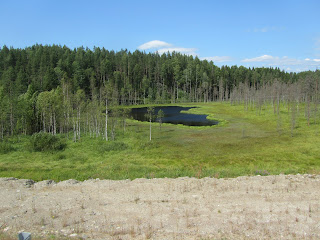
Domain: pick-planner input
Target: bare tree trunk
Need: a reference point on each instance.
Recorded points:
(51, 124)
(79, 123)
(99, 124)
(174, 93)
(68, 121)
(44, 122)
(150, 129)
(11, 119)
(308, 110)
(113, 128)
(196, 87)
(106, 127)
(135, 96)
(177, 93)
(293, 116)
(90, 126)
(74, 131)
(97, 131)
(54, 124)
(315, 110)
(190, 96)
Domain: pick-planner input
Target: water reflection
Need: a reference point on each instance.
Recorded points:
(172, 114)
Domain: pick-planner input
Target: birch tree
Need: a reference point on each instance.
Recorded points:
(160, 115)
(150, 116)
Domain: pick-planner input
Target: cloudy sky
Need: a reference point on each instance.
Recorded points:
(281, 33)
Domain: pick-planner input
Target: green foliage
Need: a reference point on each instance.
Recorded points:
(54, 87)
(42, 142)
(160, 115)
(150, 113)
(6, 147)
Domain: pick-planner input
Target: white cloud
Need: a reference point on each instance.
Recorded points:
(164, 47)
(286, 63)
(218, 59)
(264, 58)
(267, 29)
(187, 51)
(263, 30)
(154, 44)
(289, 64)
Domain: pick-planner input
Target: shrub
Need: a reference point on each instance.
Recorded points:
(6, 147)
(42, 142)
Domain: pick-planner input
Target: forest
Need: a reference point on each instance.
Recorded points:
(58, 90)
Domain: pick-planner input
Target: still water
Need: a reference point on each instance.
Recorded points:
(172, 114)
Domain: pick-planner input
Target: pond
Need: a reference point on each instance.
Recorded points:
(172, 114)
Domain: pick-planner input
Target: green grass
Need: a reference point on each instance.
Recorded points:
(246, 143)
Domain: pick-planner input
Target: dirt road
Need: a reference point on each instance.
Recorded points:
(259, 207)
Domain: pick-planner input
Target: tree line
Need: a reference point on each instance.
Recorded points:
(59, 90)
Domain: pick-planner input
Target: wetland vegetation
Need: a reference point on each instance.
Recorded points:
(246, 144)
(66, 114)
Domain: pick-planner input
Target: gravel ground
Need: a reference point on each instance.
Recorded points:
(259, 207)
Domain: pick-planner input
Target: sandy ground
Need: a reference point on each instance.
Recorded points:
(259, 207)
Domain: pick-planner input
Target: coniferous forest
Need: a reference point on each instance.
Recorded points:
(59, 90)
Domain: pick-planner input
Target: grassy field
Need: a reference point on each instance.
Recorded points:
(245, 143)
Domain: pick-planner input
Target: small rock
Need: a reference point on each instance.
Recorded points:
(10, 178)
(73, 235)
(49, 182)
(29, 183)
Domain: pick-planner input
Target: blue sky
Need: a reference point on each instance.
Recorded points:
(280, 33)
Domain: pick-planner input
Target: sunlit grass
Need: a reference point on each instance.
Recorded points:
(245, 144)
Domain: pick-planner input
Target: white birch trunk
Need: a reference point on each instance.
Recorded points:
(54, 124)
(79, 123)
(106, 127)
(150, 129)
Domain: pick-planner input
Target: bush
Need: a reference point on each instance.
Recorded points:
(6, 147)
(42, 142)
